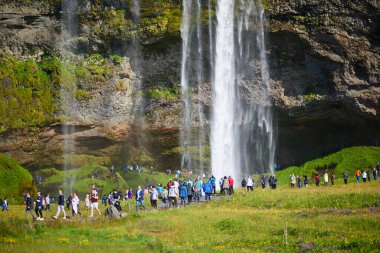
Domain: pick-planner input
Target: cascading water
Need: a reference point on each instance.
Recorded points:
(68, 88)
(193, 137)
(242, 131)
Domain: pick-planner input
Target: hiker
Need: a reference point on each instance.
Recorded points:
(139, 198)
(47, 201)
(87, 202)
(231, 183)
(226, 186)
(369, 176)
(183, 193)
(244, 185)
(116, 196)
(332, 178)
(154, 196)
(375, 173)
(208, 189)
(75, 205)
(306, 181)
(299, 182)
(292, 181)
(364, 176)
(274, 182)
(345, 177)
(94, 202)
(196, 191)
(68, 202)
(317, 180)
(357, 175)
(221, 186)
(172, 196)
(249, 184)
(326, 179)
(60, 206)
(29, 206)
(189, 192)
(164, 197)
(213, 182)
(39, 207)
(4, 204)
(263, 181)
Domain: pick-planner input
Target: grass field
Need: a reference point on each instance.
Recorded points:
(340, 218)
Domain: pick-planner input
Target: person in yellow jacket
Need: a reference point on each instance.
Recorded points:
(357, 175)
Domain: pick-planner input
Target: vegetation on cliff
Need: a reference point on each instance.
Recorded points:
(14, 178)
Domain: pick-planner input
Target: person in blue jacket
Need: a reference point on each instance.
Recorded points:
(39, 206)
(139, 198)
(213, 182)
(208, 188)
(183, 193)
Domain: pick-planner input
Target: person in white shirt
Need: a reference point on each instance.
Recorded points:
(364, 176)
(75, 204)
(250, 183)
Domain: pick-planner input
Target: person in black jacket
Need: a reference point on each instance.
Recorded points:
(61, 205)
(29, 206)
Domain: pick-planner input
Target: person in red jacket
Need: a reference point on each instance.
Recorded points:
(231, 182)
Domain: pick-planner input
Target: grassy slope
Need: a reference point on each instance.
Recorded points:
(14, 178)
(347, 159)
(326, 219)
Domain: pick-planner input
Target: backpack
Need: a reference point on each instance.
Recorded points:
(244, 183)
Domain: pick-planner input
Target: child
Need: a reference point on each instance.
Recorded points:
(87, 202)
(39, 206)
(75, 204)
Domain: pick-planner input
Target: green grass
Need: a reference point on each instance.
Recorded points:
(14, 178)
(322, 219)
(347, 159)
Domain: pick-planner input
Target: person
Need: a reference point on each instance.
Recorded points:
(75, 204)
(292, 181)
(306, 181)
(183, 194)
(154, 196)
(299, 182)
(244, 185)
(208, 189)
(274, 182)
(226, 186)
(47, 201)
(375, 172)
(164, 196)
(263, 181)
(189, 193)
(345, 177)
(104, 200)
(221, 186)
(364, 176)
(249, 184)
(61, 205)
(139, 198)
(68, 202)
(369, 176)
(326, 179)
(357, 175)
(29, 206)
(39, 206)
(159, 189)
(4, 205)
(213, 182)
(94, 202)
(317, 180)
(116, 197)
(231, 183)
(196, 191)
(172, 196)
(130, 194)
(87, 202)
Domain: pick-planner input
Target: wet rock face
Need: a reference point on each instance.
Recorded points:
(324, 61)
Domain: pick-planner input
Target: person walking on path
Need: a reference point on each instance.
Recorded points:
(317, 180)
(358, 173)
(183, 193)
(306, 181)
(208, 189)
(87, 202)
(29, 206)
(39, 206)
(75, 203)
(263, 181)
(173, 196)
(231, 183)
(154, 196)
(139, 198)
(60, 206)
(292, 181)
(47, 201)
(250, 183)
(94, 202)
(326, 179)
(364, 176)
(375, 173)
(345, 177)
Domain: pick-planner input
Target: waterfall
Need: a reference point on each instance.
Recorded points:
(193, 137)
(68, 88)
(242, 136)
